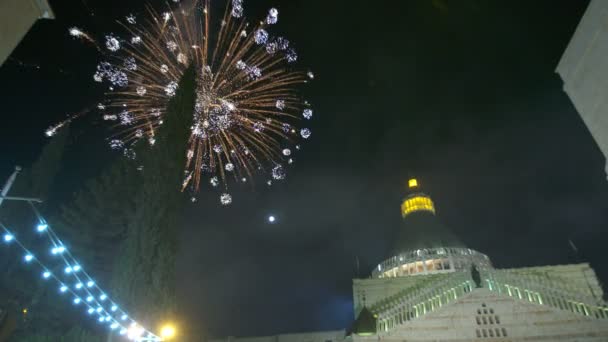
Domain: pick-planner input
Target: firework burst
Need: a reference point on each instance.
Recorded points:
(248, 111)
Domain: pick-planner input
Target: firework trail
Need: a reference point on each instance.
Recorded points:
(51, 131)
(78, 33)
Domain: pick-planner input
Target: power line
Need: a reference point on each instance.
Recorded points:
(71, 277)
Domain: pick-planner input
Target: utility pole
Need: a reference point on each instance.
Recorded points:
(9, 184)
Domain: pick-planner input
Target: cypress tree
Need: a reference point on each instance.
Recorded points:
(122, 226)
(144, 269)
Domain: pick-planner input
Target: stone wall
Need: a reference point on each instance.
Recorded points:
(16, 18)
(584, 70)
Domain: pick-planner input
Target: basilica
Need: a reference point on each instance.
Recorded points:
(433, 288)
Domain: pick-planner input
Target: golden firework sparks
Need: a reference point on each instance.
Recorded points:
(248, 109)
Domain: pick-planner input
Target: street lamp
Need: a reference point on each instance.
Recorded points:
(167, 332)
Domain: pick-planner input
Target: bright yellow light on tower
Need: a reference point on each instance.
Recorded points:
(412, 183)
(417, 203)
(167, 332)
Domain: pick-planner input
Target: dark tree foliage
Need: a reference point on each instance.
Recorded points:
(123, 224)
(122, 227)
(21, 287)
(143, 276)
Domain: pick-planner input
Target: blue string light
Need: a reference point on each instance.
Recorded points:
(42, 227)
(8, 237)
(109, 313)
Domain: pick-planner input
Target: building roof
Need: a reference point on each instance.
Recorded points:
(365, 324)
(45, 9)
(420, 227)
(423, 230)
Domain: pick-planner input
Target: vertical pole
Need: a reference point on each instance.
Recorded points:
(9, 183)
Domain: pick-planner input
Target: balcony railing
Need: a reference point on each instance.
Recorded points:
(545, 290)
(425, 297)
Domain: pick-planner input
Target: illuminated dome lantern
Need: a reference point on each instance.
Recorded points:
(424, 245)
(420, 227)
(416, 200)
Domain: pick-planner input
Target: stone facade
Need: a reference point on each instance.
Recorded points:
(584, 71)
(549, 303)
(484, 315)
(16, 18)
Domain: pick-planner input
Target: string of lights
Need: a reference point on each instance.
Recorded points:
(74, 282)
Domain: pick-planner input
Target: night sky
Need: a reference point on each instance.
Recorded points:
(461, 94)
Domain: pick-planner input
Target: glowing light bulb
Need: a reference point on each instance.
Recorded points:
(28, 257)
(90, 311)
(57, 250)
(46, 274)
(167, 331)
(8, 237)
(42, 227)
(135, 332)
(114, 308)
(89, 299)
(103, 297)
(78, 286)
(68, 270)
(271, 219)
(63, 288)
(90, 283)
(77, 300)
